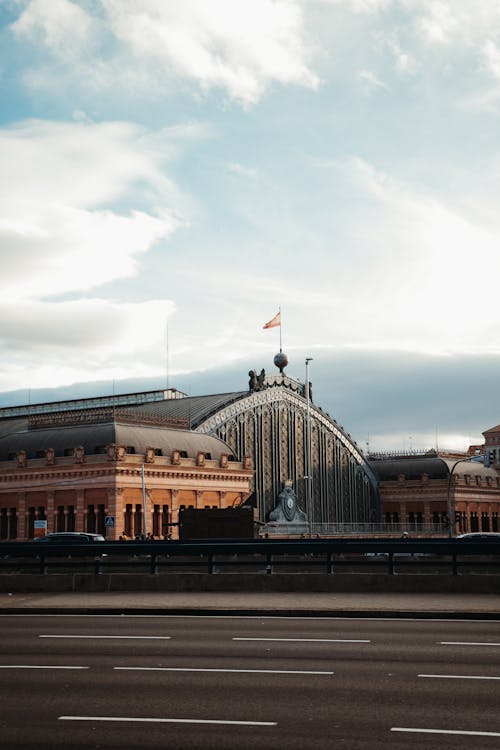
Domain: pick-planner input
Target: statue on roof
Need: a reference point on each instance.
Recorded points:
(256, 382)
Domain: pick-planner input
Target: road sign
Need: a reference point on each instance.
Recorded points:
(40, 528)
(109, 520)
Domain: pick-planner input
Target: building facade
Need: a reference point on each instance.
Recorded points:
(422, 493)
(273, 427)
(106, 473)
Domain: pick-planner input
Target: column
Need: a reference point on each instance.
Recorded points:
(21, 516)
(174, 530)
(115, 508)
(51, 521)
(80, 510)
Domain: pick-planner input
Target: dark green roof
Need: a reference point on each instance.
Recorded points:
(94, 438)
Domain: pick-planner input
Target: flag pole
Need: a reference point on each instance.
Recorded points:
(281, 328)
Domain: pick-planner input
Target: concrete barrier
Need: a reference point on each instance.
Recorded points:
(247, 582)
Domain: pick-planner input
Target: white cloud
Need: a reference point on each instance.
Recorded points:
(491, 57)
(235, 46)
(49, 344)
(371, 80)
(58, 186)
(62, 26)
(61, 234)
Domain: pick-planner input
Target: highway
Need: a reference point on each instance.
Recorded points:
(190, 683)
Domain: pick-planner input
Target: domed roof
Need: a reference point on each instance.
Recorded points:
(95, 437)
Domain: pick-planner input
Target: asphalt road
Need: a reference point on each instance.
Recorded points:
(190, 683)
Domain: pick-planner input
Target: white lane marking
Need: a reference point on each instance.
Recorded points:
(170, 721)
(35, 666)
(202, 669)
(459, 677)
(466, 643)
(445, 731)
(96, 637)
(305, 640)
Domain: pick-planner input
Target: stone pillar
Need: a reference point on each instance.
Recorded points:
(51, 521)
(404, 515)
(21, 516)
(115, 508)
(199, 499)
(174, 514)
(80, 510)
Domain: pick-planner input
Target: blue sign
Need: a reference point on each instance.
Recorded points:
(109, 521)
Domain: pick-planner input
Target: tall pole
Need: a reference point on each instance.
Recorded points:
(448, 501)
(144, 524)
(308, 462)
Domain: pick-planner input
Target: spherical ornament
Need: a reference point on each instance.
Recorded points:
(281, 361)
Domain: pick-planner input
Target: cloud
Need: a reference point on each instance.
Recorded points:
(59, 229)
(62, 234)
(368, 77)
(57, 342)
(237, 47)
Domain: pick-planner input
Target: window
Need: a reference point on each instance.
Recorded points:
(485, 521)
(69, 452)
(474, 522)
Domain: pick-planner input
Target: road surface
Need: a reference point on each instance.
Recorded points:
(190, 683)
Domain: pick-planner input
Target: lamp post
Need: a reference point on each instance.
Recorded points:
(144, 524)
(307, 462)
(449, 508)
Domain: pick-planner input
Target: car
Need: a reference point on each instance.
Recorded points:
(479, 536)
(70, 537)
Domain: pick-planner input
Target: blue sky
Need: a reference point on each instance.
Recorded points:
(198, 164)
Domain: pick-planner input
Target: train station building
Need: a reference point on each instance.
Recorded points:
(140, 458)
(132, 462)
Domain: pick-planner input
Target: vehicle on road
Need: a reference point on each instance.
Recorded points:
(70, 537)
(479, 536)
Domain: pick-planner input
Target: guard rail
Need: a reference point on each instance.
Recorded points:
(212, 556)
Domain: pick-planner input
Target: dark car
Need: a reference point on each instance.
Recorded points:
(70, 537)
(479, 536)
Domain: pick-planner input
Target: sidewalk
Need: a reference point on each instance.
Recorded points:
(480, 606)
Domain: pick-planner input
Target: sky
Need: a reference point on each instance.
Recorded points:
(174, 173)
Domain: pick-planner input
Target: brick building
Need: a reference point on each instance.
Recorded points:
(419, 493)
(81, 470)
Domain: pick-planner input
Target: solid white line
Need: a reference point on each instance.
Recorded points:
(35, 666)
(445, 731)
(170, 721)
(95, 637)
(201, 669)
(466, 643)
(459, 677)
(305, 640)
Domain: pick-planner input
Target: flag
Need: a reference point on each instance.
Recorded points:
(276, 321)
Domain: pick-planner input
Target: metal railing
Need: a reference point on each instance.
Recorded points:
(329, 530)
(262, 556)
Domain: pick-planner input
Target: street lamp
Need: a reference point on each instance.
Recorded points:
(449, 509)
(144, 523)
(308, 473)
